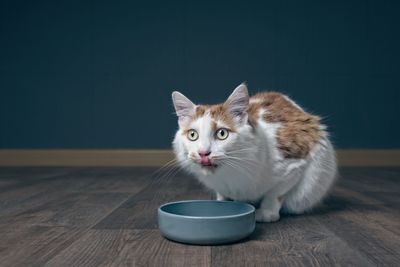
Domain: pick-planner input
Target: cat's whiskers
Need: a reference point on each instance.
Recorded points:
(241, 149)
(173, 170)
(170, 164)
(240, 167)
(170, 169)
(247, 160)
(239, 164)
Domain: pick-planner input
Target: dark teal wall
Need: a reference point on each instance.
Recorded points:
(91, 74)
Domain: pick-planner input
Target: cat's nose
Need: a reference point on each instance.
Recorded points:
(204, 153)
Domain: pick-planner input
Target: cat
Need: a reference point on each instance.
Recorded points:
(265, 150)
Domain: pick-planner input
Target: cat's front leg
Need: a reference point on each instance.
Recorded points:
(269, 210)
(272, 202)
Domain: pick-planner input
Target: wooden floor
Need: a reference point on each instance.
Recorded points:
(107, 217)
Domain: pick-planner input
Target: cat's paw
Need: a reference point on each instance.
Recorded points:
(266, 216)
(221, 197)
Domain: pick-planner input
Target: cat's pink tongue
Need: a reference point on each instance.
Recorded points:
(205, 161)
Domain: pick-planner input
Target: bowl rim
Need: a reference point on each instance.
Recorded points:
(252, 210)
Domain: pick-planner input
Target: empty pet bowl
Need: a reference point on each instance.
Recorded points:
(206, 221)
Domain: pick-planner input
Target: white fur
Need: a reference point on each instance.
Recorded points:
(260, 174)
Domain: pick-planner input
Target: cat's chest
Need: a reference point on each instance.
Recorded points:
(239, 184)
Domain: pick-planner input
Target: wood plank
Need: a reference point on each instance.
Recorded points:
(29, 190)
(293, 241)
(16, 177)
(371, 179)
(114, 179)
(154, 158)
(376, 243)
(32, 172)
(46, 211)
(140, 210)
(25, 245)
(381, 185)
(364, 224)
(33, 192)
(56, 201)
(130, 248)
(69, 209)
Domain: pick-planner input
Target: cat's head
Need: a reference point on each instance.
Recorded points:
(208, 135)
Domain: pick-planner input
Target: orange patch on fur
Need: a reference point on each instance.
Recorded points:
(200, 110)
(299, 130)
(220, 112)
(214, 126)
(185, 131)
(217, 112)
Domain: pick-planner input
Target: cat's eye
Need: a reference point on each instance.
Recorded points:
(222, 134)
(192, 135)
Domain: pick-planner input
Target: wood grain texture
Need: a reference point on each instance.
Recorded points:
(130, 248)
(155, 158)
(33, 245)
(103, 216)
(140, 211)
(293, 241)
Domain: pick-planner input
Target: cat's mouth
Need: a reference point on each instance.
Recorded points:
(208, 169)
(207, 165)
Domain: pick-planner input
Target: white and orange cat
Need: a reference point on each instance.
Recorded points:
(263, 149)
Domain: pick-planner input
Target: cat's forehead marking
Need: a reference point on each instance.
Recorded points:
(218, 116)
(214, 125)
(205, 122)
(199, 122)
(200, 111)
(218, 113)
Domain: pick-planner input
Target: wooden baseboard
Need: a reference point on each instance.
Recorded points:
(154, 158)
(374, 157)
(77, 157)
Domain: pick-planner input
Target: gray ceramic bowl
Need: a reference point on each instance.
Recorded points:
(206, 221)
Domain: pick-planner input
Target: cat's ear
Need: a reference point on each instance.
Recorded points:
(184, 108)
(238, 102)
